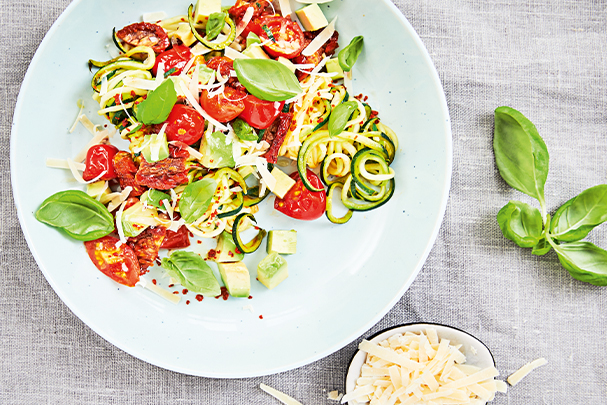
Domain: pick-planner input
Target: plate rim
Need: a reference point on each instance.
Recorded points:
(355, 334)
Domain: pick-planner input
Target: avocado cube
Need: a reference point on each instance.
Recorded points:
(236, 278)
(255, 52)
(334, 67)
(283, 182)
(283, 242)
(287, 63)
(312, 17)
(226, 249)
(272, 270)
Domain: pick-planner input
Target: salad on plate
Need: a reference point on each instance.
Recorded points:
(221, 108)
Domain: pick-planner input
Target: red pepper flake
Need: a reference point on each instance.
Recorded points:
(212, 254)
(199, 242)
(231, 254)
(191, 234)
(104, 125)
(175, 292)
(199, 297)
(187, 302)
(171, 285)
(260, 316)
(133, 94)
(184, 291)
(158, 262)
(154, 281)
(250, 297)
(237, 250)
(224, 294)
(144, 271)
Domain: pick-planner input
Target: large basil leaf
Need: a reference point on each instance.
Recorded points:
(156, 108)
(521, 223)
(578, 216)
(267, 79)
(584, 261)
(520, 153)
(340, 116)
(196, 198)
(215, 25)
(192, 272)
(348, 56)
(154, 198)
(79, 215)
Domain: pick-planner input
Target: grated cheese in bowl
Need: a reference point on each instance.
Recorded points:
(422, 364)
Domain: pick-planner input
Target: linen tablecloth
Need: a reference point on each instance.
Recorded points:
(545, 58)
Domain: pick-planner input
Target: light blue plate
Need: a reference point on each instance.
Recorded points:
(343, 279)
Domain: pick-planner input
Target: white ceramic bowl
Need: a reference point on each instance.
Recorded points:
(476, 352)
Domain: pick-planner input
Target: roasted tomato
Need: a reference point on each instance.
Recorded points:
(176, 240)
(301, 203)
(328, 49)
(184, 124)
(100, 162)
(145, 34)
(276, 135)
(223, 107)
(125, 172)
(175, 58)
(147, 244)
(260, 114)
(115, 260)
(286, 38)
(162, 175)
(225, 66)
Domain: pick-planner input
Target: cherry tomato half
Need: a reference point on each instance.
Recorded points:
(145, 34)
(288, 38)
(100, 159)
(118, 262)
(175, 58)
(223, 107)
(260, 114)
(184, 124)
(301, 203)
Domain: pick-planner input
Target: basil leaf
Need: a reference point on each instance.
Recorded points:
(196, 198)
(520, 153)
(578, 216)
(215, 25)
(340, 116)
(252, 38)
(542, 247)
(348, 56)
(154, 198)
(156, 108)
(155, 147)
(521, 223)
(267, 79)
(243, 130)
(584, 261)
(192, 272)
(79, 215)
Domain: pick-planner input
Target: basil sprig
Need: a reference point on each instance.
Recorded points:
(522, 159)
(215, 25)
(348, 56)
(196, 198)
(340, 116)
(79, 215)
(267, 79)
(155, 109)
(192, 272)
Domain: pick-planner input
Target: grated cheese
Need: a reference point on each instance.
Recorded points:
(525, 370)
(234, 54)
(285, 9)
(282, 397)
(320, 39)
(246, 19)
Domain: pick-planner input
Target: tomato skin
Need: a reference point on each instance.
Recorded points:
(110, 259)
(100, 158)
(289, 37)
(301, 203)
(223, 107)
(260, 114)
(176, 240)
(145, 34)
(176, 58)
(184, 124)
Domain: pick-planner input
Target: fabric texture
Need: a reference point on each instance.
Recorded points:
(545, 58)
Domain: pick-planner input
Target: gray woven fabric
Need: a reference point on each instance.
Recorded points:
(542, 57)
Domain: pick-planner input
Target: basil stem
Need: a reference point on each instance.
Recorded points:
(340, 116)
(155, 109)
(79, 215)
(267, 79)
(348, 56)
(196, 198)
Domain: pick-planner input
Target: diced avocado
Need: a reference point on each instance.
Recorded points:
(184, 33)
(283, 242)
(204, 74)
(216, 151)
(236, 278)
(226, 251)
(283, 182)
(253, 38)
(154, 198)
(255, 52)
(246, 171)
(287, 63)
(333, 67)
(272, 270)
(204, 8)
(312, 17)
(97, 188)
(155, 147)
(137, 218)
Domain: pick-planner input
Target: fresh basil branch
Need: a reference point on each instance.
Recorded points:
(522, 159)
